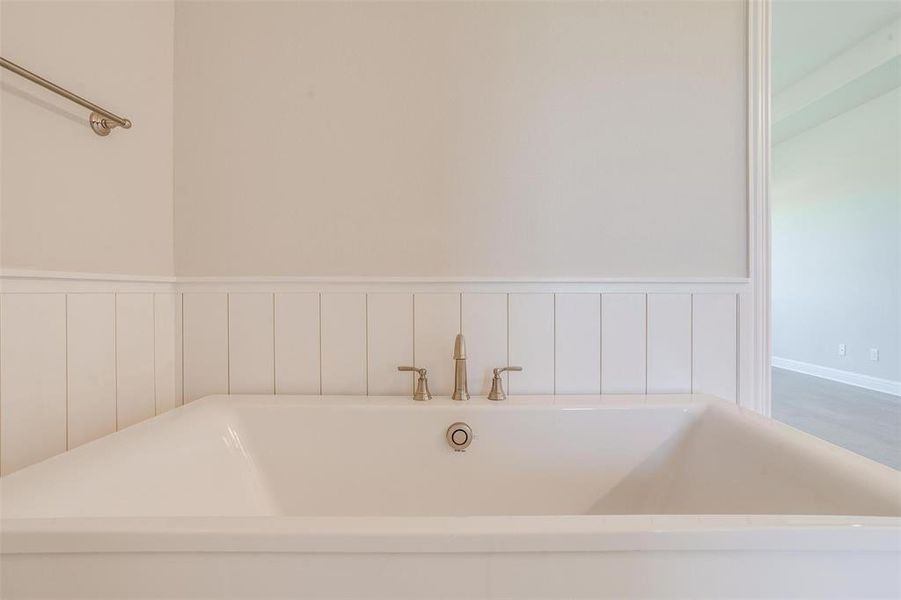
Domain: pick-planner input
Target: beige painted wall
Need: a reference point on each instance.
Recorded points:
(70, 200)
(455, 139)
(451, 139)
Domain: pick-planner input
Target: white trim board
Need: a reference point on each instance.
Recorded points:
(886, 386)
(755, 367)
(462, 285)
(35, 282)
(77, 276)
(32, 281)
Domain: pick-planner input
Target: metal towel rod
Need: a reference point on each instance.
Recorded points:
(102, 121)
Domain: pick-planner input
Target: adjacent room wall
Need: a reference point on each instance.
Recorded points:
(836, 206)
(69, 199)
(461, 139)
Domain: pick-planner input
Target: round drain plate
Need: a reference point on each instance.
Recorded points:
(459, 436)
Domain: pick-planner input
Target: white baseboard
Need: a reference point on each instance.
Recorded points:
(886, 386)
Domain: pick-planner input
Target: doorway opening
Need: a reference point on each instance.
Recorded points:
(835, 206)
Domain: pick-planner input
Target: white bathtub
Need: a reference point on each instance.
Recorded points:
(347, 497)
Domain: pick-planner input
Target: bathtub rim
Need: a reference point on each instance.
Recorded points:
(489, 533)
(553, 533)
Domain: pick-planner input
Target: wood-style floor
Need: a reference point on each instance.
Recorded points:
(861, 420)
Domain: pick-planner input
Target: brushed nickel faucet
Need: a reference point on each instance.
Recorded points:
(422, 384)
(461, 387)
(497, 384)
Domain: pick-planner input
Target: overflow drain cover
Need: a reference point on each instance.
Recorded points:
(459, 436)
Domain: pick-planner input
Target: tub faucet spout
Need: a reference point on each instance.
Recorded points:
(461, 387)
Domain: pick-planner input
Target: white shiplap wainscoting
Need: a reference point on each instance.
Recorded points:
(77, 365)
(85, 355)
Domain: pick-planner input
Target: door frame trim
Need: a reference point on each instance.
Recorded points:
(759, 115)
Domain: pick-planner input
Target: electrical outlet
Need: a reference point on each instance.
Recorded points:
(842, 350)
(874, 353)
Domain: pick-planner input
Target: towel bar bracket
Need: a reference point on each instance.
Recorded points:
(102, 121)
(101, 125)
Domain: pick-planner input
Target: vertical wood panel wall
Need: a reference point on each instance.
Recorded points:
(76, 366)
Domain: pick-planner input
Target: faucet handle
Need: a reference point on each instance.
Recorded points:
(497, 372)
(422, 384)
(497, 384)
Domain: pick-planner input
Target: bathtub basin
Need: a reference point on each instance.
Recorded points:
(340, 497)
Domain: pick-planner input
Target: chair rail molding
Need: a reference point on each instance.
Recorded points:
(759, 116)
(38, 281)
(33, 281)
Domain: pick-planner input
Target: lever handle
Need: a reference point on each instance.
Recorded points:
(497, 384)
(422, 384)
(497, 372)
(421, 372)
